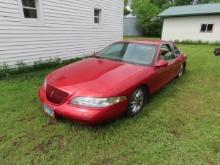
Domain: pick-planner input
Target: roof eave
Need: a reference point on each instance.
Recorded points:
(188, 15)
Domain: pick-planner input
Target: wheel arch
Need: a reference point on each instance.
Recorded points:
(146, 87)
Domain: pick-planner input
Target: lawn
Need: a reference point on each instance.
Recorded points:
(181, 125)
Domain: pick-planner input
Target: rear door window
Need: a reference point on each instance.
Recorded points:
(166, 53)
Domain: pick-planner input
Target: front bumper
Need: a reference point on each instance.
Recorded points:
(85, 115)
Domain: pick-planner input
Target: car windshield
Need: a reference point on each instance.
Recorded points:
(135, 53)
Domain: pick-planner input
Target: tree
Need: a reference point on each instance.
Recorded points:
(183, 2)
(146, 13)
(126, 11)
(162, 4)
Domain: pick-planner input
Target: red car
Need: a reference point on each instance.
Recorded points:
(118, 80)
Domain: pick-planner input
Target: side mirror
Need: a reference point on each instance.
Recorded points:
(161, 63)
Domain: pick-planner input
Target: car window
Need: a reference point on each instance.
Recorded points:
(134, 53)
(139, 53)
(176, 51)
(166, 53)
(114, 51)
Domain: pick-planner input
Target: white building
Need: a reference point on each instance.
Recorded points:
(194, 22)
(33, 30)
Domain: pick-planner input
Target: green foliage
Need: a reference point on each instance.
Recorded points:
(198, 42)
(69, 61)
(162, 4)
(125, 3)
(21, 67)
(39, 65)
(126, 11)
(146, 13)
(208, 1)
(153, 28)
(183, 2)
(4, 71)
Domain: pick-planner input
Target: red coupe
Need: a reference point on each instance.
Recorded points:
(117, 81)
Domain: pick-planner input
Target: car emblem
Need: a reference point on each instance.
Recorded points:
(52, 93)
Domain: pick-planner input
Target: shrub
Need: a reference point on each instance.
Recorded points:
(21, 67)
(39, 65)
(198, 42)
(4, 71)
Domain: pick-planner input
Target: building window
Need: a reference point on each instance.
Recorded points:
(30, 8)
(97, 16)
(207, 28)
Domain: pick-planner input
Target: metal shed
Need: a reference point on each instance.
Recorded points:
(130, 28)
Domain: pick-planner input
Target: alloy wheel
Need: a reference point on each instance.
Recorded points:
(137, 101)
(181, 71)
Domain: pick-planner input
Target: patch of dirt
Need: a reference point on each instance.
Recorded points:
(41, 147)
(211, 162)
(174, 132)
(44, 147)
(52, 122)
(15, 143)
(62, 143)
(26, 119)
(1, 138)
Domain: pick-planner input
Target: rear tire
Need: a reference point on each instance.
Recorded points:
(137, 101)
(182, 71)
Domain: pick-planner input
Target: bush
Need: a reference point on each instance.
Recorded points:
(4, 71)
(21, 67)
(39, 65)
(198, 42)
(147, 20)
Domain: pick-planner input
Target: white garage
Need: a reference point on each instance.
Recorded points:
(193, 22)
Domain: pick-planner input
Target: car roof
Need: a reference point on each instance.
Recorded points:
(151, 42)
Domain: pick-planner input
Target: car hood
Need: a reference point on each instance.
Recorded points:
(95, 77)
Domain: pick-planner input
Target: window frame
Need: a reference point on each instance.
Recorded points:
(30, 8)
(38, 20)
(169, 46)
(206, 29)
(99, 16)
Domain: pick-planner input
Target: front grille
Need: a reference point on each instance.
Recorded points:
(55, 95)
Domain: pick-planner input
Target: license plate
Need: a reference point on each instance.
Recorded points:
(49, 111)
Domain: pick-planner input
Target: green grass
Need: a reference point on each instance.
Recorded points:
(181, 125)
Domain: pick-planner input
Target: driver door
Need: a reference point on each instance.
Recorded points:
(164, 74)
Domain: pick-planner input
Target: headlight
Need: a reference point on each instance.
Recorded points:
(97, 102)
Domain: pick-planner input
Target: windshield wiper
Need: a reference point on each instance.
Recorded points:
(96, 56)
(113, 59)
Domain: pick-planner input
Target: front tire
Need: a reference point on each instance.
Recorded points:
(137, 102)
